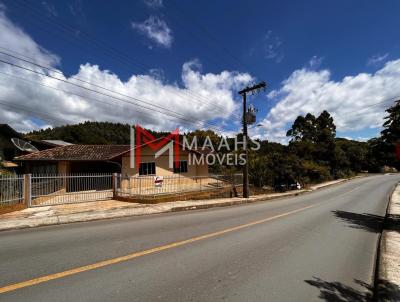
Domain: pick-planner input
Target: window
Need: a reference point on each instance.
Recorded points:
(147, 168)
(183, 167)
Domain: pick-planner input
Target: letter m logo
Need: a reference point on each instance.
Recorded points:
(141, 138)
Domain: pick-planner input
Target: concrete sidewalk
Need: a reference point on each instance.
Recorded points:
(388, 275)
(81, 212)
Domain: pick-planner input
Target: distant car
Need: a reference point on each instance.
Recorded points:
(283, 187)
(280, 187)
(295, 186)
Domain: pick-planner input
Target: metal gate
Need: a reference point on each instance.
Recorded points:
(69, 188)
(11, 190)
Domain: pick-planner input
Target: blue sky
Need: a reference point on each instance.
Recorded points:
(297, 48)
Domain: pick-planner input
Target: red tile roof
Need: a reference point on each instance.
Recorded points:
(77, 152)
(86, 153)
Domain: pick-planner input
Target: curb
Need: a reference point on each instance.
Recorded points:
(385, 289)
(65, 219)
(234, 203)
(255, 199)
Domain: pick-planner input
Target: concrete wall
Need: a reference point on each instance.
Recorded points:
(162, 164)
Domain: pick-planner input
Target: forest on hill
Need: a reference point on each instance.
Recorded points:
(314, 153)
(91, 133)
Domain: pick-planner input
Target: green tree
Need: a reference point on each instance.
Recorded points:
(390, 135)
(325, 129)
(313, 139)
(303, 128)
(376, 155)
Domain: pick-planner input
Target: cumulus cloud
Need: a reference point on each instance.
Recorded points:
(25, 44)
(376, 60)
(156, 30)
(356, 102)
(200, 96)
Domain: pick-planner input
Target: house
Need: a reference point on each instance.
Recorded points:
(149, 165)
(74, 159)
(47, 144)
(108, 159)
(55, 142)
(8, 150)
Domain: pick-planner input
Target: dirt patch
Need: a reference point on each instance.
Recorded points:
(12, 208)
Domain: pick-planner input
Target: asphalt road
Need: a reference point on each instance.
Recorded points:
(315, 246)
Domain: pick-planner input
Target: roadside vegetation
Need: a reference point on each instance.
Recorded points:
(314, 153)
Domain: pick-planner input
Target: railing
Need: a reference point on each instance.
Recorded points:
(11, 190)
(145, 186)
(70, 188)
(44, 190)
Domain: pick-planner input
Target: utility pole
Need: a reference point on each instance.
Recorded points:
(253, 89)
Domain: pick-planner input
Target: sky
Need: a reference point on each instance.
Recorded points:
(166, 63)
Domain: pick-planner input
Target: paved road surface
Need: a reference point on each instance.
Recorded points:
(316, 246)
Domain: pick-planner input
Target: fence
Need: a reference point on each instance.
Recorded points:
(152, 187)
(44, 190)
(11, 190)
(70, 188)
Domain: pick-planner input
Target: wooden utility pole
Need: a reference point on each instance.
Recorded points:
(243, 92)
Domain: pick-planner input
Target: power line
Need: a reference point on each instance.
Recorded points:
(217, 58)
(370, 106)
(201, 124)
(43, 116)
(253, 89)
(208, 34)
(89, 89)
(185, 121)
(86, 82)
(113, 52)
(358, 114)
(89, 83)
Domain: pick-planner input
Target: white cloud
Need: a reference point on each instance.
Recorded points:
(156, 30)
(153, 3)
(64, 107)
(376, 60)
(352, 101)
(25, 45)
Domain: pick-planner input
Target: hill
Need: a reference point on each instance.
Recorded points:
(93, 133)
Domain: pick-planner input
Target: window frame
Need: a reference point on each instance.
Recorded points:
(149, 163)
(179, 170)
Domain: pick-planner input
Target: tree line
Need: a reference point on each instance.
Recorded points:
(313, 154)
